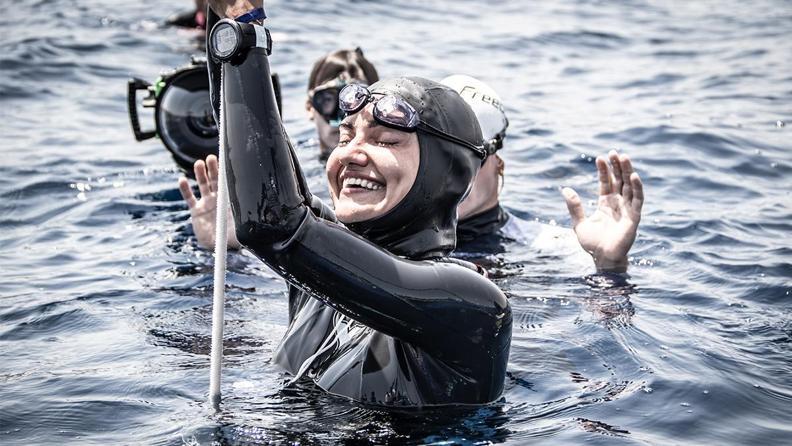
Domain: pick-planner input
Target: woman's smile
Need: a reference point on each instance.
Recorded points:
(352, 184)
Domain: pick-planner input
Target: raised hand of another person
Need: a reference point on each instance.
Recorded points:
(608, 234)
(203, 211)
(233, 8)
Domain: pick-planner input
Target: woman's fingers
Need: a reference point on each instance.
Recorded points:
(574, 206)
(233, 8)
(605, 179)
(618, 181)
(626, 172)
(213, 170)
(186, 192)
(202, 177)
(638, 194)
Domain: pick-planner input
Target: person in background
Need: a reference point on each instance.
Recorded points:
(607, 235)
(330, 73)
(194, 18)
(480, 214)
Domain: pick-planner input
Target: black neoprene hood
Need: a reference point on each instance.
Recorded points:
(423, 224)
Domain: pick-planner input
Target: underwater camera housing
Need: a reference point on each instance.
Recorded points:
(183, 115)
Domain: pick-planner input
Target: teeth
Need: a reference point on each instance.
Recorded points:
(366, 184)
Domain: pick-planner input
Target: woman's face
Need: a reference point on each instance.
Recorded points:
(484, 191)
(372, 169)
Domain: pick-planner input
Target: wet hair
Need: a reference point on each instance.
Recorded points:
(333, 64)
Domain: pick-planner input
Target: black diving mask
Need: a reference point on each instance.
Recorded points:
(395, 112)
(324, 100)
(183, 116)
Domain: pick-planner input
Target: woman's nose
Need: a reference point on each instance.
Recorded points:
(352, 153)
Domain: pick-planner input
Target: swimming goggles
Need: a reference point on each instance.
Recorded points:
(394, 112)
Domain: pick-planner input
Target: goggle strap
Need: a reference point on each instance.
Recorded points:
(395, 126)
(480, 151)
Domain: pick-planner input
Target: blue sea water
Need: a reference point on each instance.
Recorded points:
(105, 298)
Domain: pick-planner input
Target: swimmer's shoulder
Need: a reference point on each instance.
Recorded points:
(518, 229)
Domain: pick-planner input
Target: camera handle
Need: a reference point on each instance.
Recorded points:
(133, 86)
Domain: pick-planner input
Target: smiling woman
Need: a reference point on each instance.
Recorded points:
(372, 169)
(377, 311)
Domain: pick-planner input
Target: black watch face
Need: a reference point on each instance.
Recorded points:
(224, 41)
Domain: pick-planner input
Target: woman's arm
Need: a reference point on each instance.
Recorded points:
(202, 210)
(203, 214)
(446, 309)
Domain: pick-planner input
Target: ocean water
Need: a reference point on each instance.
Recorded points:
(105, 298)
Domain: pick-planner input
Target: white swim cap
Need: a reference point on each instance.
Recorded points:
(484, 101)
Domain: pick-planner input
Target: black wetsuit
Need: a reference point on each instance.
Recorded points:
(484, 224)
(379, 315)
(483, 235)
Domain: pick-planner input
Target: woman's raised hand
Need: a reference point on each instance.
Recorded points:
(233, 8)
(203, 210)
(608, 234)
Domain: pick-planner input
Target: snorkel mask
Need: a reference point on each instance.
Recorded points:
(325, 101)
(183, 117)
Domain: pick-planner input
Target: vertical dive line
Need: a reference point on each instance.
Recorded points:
(221, 245)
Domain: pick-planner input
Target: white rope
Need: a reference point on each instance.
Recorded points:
(221, 246)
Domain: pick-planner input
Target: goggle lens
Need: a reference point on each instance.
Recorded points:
(353, 97)
(396, 112)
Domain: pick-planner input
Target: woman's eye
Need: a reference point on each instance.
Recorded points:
(387, 143)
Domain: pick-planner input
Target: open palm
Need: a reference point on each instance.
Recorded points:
(608, 234)
(203, 210)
